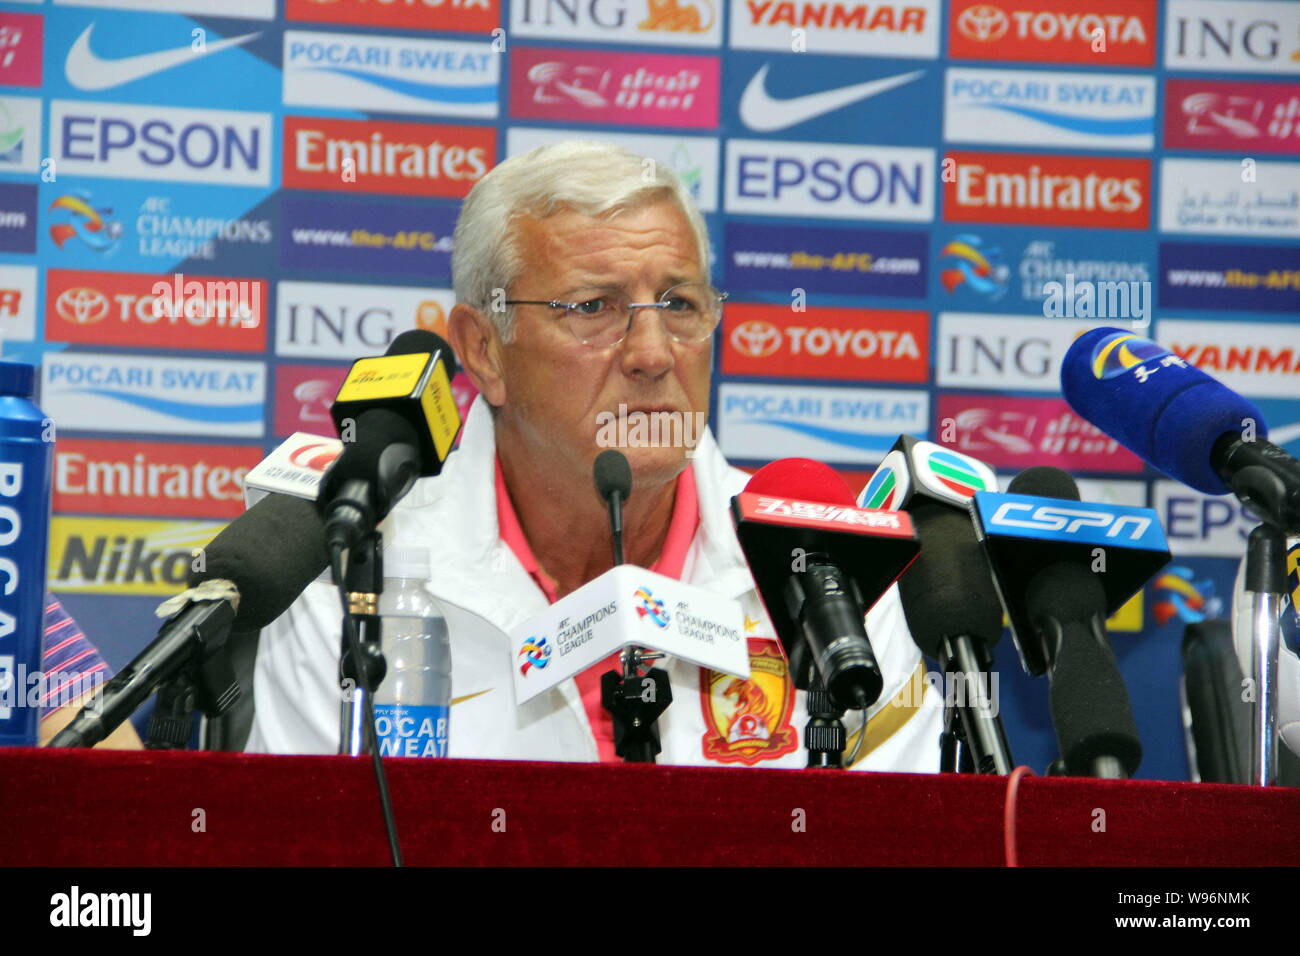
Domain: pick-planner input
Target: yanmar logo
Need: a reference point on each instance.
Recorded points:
(151, 478)
(1257, 359)
(370, 156)
(856, 344)
(1114, 32)
(1029, 189)
(899, 28)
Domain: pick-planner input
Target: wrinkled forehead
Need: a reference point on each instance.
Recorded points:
(651, 241)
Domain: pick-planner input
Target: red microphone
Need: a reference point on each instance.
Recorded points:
(814, 556)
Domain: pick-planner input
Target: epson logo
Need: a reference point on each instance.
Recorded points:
(824, 179)
(11, 526)
(1069, 520)
(161, 143)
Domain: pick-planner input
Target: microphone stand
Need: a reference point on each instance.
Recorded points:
(1265, 599)
(634, 700)
(364, 583)
(189, 660)
(973, 739)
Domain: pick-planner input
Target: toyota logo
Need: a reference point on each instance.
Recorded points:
(755, 338)
(983, 23)
(81, 306)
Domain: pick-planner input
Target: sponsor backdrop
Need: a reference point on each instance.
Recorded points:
(209, 207)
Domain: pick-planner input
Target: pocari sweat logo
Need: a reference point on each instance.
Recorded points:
(166, 396)
(1090, 110)
(390, 74)
(847, 425)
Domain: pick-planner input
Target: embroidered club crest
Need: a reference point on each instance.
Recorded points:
(749, 720)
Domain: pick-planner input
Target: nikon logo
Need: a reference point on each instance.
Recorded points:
(120, 556)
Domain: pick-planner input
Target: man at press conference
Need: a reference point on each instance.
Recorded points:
(550, 249)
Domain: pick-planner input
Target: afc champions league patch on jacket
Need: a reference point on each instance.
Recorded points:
(749, 720)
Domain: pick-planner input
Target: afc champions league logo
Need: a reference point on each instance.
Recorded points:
(651, 607)
(535, 652)
(1118, 352)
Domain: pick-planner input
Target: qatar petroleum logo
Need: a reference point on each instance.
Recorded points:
(83, 221)
(983, 23)
(1118, 352)
(535, 652)
(1182, 596)
(966, 261)
(651, 607)
(755, 338)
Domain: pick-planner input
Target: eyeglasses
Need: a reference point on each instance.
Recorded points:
(691, 311)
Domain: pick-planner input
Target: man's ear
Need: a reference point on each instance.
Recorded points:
(478, 347)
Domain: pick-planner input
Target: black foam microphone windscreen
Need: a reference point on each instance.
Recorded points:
(948, 591)
(271, 552)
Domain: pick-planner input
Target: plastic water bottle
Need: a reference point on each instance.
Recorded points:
(412, 704)
(26, 471)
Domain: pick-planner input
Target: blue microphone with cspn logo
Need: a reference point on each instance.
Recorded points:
(26, 473)
(1062, 566)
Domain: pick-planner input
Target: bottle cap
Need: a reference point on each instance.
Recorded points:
(17, 379)
(406, 561)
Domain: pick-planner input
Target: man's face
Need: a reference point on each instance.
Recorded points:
(555, 386)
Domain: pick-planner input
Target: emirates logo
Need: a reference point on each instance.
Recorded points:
(316, 457)
(81, 305)
(983, 23)
(755, 338)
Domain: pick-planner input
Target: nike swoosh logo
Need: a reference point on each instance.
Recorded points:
(461, 700)
(764, 114)
(86, 71)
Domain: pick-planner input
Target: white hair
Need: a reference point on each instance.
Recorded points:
(589, 177)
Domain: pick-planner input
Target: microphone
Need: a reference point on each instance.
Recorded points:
(949, 598)
(814, 556)
(613, 477)
(251, 572)
(398, 419)
(1045, 545)
(1181, 421)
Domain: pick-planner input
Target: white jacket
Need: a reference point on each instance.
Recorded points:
(485, 592)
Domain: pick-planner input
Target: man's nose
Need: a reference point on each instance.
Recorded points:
(648, 348)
